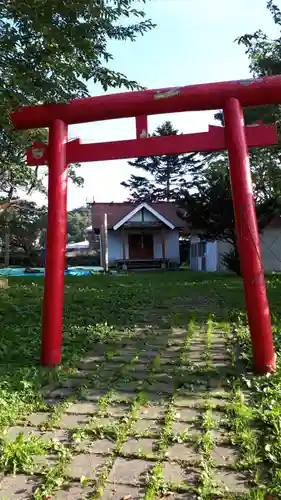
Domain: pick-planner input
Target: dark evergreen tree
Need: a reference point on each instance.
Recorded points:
(164, 176)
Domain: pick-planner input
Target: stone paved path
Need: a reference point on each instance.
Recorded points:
(143, 419)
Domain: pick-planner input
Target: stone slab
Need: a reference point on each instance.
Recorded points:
(121, 492)
(136, 446)
(92, 394)
(131, 472)
(122, 396)
(224, 456)
(73, 382)
(14, 431)
(82, 408)
(184, 453)
(218, 416)
(215, 401)
(233, 482)
(58, 435)
(220, 435)
(132, 386)
(69, 421)
(118, 410)
(90, 365)
(104, 421)
(188, 414)
(74, 491)
(19, 487)
(190, 401)
(86, 465)
(98, 447)
(174, 473)
(161, 388)
(179, 496)
(61, 392)
(184, 428)
(145, 426)
(138, 375)
(43, 461)
(151, 412)
(37, 419)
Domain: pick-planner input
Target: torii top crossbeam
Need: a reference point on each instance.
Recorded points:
(207, 96)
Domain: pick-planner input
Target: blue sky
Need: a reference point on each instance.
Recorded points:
(193, 43)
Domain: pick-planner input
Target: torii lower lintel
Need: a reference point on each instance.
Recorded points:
(257, 135)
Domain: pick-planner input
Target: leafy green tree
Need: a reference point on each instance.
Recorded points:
(16, 178)
(77, 222)
(48, 52)
(208, 206)
(208, 198)
(263, 52)
(264, 60)
(208, 203)
(165, 175)
(26, 221)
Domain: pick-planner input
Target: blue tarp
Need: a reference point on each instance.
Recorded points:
(71, 271)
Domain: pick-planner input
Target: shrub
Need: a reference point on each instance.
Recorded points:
(231, 261)
(83, 260)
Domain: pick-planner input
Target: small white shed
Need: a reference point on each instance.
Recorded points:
(207, 256)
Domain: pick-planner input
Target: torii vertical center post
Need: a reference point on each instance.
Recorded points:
(235, 137)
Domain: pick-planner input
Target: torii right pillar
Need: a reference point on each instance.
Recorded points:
(248, 240)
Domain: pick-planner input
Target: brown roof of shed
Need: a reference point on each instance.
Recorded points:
(117, 211)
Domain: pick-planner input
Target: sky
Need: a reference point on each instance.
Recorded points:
(192, 43)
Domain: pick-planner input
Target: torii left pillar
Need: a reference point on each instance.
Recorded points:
(55, 247)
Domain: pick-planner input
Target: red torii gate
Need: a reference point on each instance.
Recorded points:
(235, 137)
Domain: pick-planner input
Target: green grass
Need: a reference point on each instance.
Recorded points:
(105, 310)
